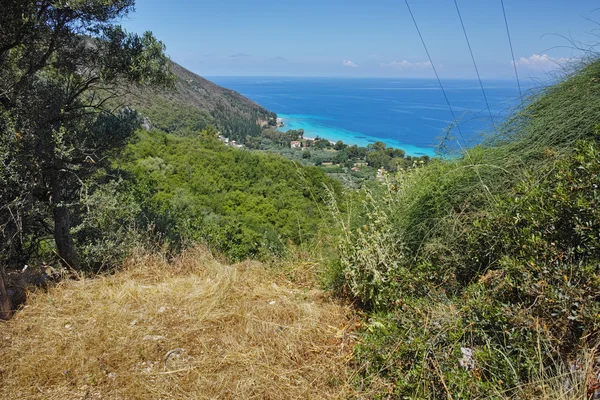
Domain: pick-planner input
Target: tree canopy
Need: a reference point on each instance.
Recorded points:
(63, 66)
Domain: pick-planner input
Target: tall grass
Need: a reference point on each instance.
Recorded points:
(439, 200)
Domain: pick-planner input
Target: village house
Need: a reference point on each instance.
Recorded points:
(295, 144)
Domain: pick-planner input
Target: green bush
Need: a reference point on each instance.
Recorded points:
(108, 229)
(542, 244)
(371, 257)
(523, 297)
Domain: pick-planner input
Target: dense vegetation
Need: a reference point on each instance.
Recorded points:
(61, 65)
(233, 115)
(244, 205)
(481, 273)
(353, 165)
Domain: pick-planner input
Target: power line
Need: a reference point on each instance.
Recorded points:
(511, 49)
(474, 63)
(435, 71)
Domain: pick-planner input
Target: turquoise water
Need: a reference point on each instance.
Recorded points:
(313, 126)
(410, 114)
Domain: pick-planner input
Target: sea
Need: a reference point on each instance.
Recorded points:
(410, 114)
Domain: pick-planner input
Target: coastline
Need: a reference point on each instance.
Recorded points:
(313, 128)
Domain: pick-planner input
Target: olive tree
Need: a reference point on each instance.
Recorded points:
(63, 66)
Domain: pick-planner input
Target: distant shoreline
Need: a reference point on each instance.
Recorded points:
(409, 114)
(295, 122)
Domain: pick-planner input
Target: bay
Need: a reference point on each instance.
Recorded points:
(411, 114)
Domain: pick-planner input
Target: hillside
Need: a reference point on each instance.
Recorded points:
(242, 204)
(234, 115)
(163, 263)
(480, 273)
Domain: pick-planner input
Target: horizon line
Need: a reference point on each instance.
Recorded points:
(347, 77)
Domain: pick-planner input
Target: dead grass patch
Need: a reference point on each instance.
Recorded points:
(190, 328)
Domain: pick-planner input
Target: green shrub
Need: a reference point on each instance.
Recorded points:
(372, 257)
(524, 299)
(379, 268)
(543, 245)
(109, 228)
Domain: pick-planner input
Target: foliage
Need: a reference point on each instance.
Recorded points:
(176, 117)
(239, 203)
(543, 241)
(320, 143)
(194, 97)
(441, 200)
(493, 254)
(108, 230)
(356, 167)
(61, 65)
(371, 255)
(523, 300)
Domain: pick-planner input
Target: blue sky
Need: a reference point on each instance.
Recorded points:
(364, 38)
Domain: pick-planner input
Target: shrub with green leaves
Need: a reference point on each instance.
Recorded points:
(542, 246)
(108, 229)
(524, 302)
(371, 256)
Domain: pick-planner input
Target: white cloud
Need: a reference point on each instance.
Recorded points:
(542, 62)
(348, 63)
(405, 64)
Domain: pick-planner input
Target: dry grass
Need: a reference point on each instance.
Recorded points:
(576, 381)
(192, 328)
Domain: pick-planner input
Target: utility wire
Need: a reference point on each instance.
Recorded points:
(435, 71)
(511, 49)
(474, 63)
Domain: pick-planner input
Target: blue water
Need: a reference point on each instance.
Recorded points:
(411, 114)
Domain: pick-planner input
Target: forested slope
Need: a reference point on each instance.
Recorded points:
(235, 116)
(242, 204)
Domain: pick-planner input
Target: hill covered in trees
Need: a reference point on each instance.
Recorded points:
(194, 97)
(474, 277)
(241, 204)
